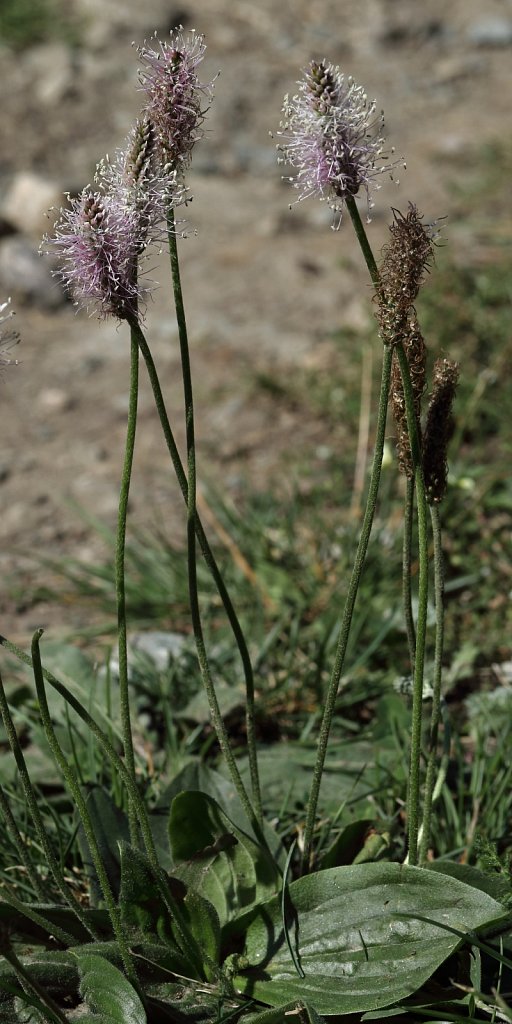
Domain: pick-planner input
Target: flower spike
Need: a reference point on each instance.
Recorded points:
(176, 99)
(332, 137)
(97, 241)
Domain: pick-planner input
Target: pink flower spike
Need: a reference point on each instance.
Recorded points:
(176, 100)
(98, 241)
(333, 138)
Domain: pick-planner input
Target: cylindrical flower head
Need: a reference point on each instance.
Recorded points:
(416, 352)
(135, 179)
(407, 258)
(439, 429)
(97, 242)
(332, 137)
(175, 97)
(8, 338)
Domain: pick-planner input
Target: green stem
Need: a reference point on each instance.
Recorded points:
(250, 711)
(27, 910)
(343, 636)
(33, 807)
(124, 492)
(76, 793)
(189, 944)
(21, 847)
(413, 799)
(209, 558)
(362, 238)
(369, 513)
(406, 569)
(44, 1003)
(435, 717)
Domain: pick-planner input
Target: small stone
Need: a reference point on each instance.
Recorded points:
(50, 67)
(491, 32)
(26, 276)
(162, 648)
(25, 205)
(55, 400)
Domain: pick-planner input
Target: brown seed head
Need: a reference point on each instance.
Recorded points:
(439, 428)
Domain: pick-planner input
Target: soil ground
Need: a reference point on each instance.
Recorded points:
(266, 287)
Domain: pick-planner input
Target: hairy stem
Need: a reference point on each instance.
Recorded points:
(21, 847)
(188, 943)
(344, 633)
(124, 492)
(47, 1008)
(435, 717)
(406, 570)
(32, 804)
(73, 785)
(210, 561)
(413, 798)
(192, 510)
(353, 587)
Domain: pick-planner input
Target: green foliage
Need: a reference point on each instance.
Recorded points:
(24, 23)
(107, 992)
(369, 951)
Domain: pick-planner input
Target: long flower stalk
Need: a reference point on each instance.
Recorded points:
(250, 711)
(124, 698)
(73, 785)
(371, 501)
(406, 569)
(33, 807)
(413, 795)
(188, 943)
(435, 715)
(343, 636)
(210, 561)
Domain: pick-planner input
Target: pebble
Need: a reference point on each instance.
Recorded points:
(491, 32)
(50, 68)
(27, 276)
(55, 400)
(160, 647)
(26, 203)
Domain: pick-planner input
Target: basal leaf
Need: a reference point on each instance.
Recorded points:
(199, 777)
(354, 937)
(108, 993)
(217, 859)
(140, 898)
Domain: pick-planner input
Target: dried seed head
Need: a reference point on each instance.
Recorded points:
(332, 137)
(406, 259)
(416, 352)
(439, 428)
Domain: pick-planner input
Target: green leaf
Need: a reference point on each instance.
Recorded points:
(347, 845)
(110, 828)
(140, 898)
(354, 938)
(108, 993)
(201, 778)
(204, 924)
(494, 885)
(282, 1014)
(217, 859)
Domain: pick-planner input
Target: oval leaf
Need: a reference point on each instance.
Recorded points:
(355, 938)
(216, 858)
(107, 992)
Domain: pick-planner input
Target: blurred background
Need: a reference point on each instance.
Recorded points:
(284, 344)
